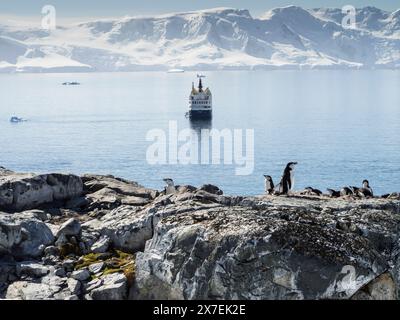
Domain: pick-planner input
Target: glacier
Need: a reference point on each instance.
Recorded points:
(216, 39)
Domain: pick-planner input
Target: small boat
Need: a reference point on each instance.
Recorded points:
(200, 101)
(15, 119)
(175, 71)
(74, 83)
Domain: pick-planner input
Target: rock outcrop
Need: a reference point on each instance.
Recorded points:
(270, 248)
(114, 239)
(28, 191)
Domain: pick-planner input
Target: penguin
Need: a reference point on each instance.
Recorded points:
(366, 190)
(346, 191)
(287, 180)
(312, 191)
(354, 189)
(269, 185)
(170, 188)
(333, 193)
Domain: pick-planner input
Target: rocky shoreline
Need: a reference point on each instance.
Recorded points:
(105, 238)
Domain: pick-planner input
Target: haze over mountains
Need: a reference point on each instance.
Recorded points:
(222, 38)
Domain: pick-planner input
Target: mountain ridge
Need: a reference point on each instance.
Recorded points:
(221, 38)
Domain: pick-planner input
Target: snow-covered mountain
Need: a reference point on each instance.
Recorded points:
(222, 38)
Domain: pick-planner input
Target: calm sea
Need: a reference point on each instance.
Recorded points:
(341, 126)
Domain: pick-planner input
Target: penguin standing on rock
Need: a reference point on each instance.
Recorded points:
(170, 188)
(269, 185)
(287, 180)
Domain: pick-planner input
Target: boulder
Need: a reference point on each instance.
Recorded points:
(23, 236)
(48, 288)
(127, 227)
(74, 286)
(109, 192)
(96, 267)
(81, 275)
(113, 287)
(101, 245)
(32, 269)
(71, 227)
(28, 191)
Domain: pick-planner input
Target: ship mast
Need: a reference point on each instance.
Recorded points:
(200, 83)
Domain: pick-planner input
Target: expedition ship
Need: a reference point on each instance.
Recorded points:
(200, 101)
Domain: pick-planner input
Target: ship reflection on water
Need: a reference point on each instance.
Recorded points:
(200, 124)
(201, 133)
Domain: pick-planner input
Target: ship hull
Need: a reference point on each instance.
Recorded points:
(200, 114)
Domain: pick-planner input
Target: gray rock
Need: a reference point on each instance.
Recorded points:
(60, 272)
(28, 191)
(61, 241)
(91, 285)
(96, 267)
(74, 286)
(108, 192)
(381, 288)
(101, 245)
(46, 289)
(32, 269)
(51, 251)
(68, 264)
(22, 236)
(81, 275)
(128, 227)
(24, 290)
(114, 287)
(71, 227)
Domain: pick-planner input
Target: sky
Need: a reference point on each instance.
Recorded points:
(70, 9)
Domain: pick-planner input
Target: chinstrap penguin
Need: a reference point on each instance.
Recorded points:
(269, 185)
(287, 180)
(366, 190)
(333, 193)
(170, 188)
(312, 191)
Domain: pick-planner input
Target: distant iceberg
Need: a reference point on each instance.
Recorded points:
(15, 119)
(74, 83)
(175, 71)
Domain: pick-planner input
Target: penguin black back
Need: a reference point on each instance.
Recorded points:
(287, 178)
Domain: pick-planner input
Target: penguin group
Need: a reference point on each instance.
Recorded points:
(286, 183)
(364, 192)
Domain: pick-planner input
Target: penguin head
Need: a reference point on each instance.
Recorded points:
(365, 184)
(268, 178)
(291, 165)
(169, 181)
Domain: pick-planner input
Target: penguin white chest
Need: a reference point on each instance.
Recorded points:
(170, 190)
(291, 179)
